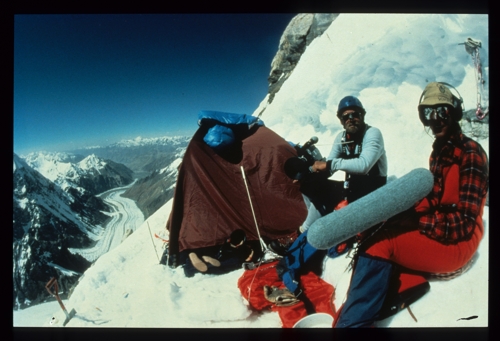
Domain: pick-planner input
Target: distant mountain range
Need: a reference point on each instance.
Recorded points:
(142, 155)
(154, 163)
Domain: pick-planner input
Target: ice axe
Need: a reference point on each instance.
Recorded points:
(53, 283)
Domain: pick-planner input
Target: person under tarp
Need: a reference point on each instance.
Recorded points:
(232, 254)
(212, 200)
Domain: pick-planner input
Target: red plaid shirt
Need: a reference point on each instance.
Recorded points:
(454, 206)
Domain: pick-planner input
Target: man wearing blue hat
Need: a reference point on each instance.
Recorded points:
(358, 151)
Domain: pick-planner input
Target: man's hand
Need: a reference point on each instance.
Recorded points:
(318, 166)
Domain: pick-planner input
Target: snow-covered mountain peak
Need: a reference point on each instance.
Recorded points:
(53, 166)
(18, 162)
(71, 171)
(172, 169)
(44, 156)
(142, 141)
(92, 162)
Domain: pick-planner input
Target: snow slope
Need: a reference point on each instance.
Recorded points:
(385, 60)
(127, 287)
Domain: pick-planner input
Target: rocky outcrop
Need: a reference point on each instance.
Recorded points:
(112, 175)
(474, 127)
(301, 31)
(152, 192)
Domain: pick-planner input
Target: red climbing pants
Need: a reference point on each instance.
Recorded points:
(402, 243)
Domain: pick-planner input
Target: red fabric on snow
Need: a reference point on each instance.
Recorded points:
(319, 292)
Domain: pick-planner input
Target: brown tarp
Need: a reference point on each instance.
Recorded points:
(211, 200)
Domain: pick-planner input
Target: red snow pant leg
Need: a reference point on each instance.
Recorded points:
(402, 243)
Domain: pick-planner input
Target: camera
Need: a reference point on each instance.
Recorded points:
(298, 167)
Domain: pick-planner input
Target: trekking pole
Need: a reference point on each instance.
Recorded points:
(262, 244)
(152, 241)
(53, 283)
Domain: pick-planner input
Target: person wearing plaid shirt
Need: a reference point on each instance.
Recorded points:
(453, 211)
(439, 236)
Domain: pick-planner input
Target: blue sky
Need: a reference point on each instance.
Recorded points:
(90, 79)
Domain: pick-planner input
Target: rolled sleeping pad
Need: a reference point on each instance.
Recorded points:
(387, 201)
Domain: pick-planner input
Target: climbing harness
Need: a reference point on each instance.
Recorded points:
(472, 47)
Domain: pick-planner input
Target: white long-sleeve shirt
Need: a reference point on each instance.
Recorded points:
(372, 152)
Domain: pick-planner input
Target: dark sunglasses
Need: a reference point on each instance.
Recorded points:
(442, 112)
(351, 115)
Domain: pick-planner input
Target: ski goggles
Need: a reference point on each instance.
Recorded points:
(351, 115)
(442, 112)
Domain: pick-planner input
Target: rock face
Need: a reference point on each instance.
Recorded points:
(152, 192)
(111, 175)
(46, 222)
(56, 209)
(474, 127)
(301, 31)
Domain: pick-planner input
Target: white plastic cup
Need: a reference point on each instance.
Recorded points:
(318, 320)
